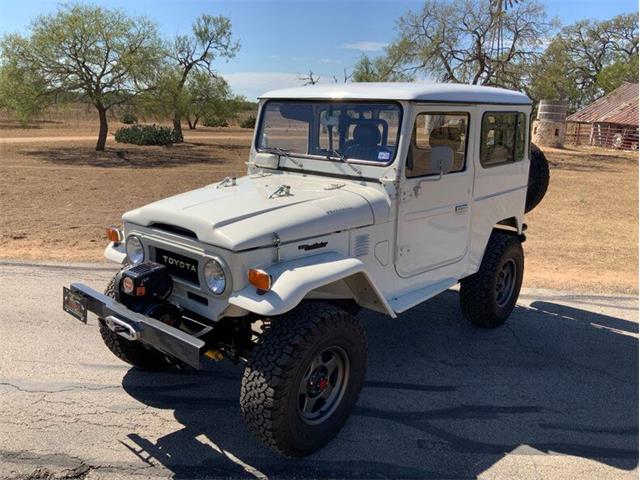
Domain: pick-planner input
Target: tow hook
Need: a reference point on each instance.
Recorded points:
(122, 328)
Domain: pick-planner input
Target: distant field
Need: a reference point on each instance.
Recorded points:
(58, 194)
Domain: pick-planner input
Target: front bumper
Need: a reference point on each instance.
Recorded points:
(137, 327)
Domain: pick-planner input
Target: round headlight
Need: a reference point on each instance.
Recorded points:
(214, 276)
(135, 251)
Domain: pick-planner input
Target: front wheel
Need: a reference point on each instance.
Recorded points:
(303, 378)
(488, 297)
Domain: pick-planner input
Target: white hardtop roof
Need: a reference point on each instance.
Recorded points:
(421, 92)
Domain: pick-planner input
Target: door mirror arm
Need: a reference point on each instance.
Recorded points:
(418, 186)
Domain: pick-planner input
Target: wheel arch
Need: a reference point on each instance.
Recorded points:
(312, 277)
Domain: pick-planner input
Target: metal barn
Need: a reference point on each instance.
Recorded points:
(609, 122)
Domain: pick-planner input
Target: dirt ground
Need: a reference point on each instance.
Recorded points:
(58, 194)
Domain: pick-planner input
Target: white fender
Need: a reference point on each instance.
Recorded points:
(294, 279)
(115, 253)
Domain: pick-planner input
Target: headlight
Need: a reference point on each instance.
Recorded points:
(214, 276)
(135, 250)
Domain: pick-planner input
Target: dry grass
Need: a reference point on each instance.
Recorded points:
(58, 196)
(584, 235)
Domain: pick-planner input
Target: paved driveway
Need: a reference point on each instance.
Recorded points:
(552, 394)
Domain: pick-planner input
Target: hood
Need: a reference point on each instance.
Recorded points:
(242, 216)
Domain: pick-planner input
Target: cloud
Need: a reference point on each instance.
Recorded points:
(366, 46)
(254, 84)
(330, 60)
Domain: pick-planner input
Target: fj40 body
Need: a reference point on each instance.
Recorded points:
(357, 196)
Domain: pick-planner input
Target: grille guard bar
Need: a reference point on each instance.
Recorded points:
(158, 335)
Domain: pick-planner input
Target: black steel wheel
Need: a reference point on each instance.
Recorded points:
(488, 297)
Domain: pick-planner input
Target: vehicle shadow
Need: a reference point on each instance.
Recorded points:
(442, 399)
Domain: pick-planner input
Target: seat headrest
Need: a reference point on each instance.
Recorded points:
(448, 133)
(366, 134)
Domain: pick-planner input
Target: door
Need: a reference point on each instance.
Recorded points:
(434, 211)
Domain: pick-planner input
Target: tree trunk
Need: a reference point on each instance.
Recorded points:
(191, 124)
(104, 128)
(195, 121)
(177, 128)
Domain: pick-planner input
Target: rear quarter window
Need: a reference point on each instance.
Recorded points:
(502, 138)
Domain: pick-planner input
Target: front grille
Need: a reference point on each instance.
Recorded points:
(178, 265)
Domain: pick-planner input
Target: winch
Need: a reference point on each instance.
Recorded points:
(144, 288)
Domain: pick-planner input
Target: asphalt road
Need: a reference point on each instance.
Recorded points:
(552, 394)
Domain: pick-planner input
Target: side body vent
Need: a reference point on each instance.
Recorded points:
(361, 245)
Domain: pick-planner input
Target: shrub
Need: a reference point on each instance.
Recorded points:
(249, 122)
(146, 135)
(215, 122)
(129, 118)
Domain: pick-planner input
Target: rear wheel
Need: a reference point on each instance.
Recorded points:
(488, 297)
(132, 352)
(303, 378)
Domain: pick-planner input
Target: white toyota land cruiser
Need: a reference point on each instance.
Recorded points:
(374, 196)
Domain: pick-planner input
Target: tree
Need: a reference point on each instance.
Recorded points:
(210, 98)
(309, 78)
(614, 75)
(22, 92)
(550, 78)
(379, 69)
(453, 42)
(102, 55)
(346, 76)
(211, 38)
(587, 59)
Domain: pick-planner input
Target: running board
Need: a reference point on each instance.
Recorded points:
(404, 302)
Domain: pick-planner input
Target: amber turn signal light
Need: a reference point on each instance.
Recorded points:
(114, 234)
(260, 279)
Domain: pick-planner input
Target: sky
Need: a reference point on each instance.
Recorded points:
(281, 40)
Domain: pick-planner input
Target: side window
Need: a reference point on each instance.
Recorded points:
(437, 130)
(503, 138)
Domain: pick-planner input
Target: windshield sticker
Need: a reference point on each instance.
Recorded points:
(384, 155)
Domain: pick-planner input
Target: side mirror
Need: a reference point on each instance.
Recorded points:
(266, 160)
(442, 159)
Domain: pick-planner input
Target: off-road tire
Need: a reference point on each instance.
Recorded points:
(269, 396)
(538, 178)
(478, 295)
(132, 352)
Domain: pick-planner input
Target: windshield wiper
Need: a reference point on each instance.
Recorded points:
(343, 158)
(281, 152)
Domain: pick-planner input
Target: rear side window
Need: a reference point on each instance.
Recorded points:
(446, 129)
(503, 138)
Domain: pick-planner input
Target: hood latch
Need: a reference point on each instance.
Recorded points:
(281, 191)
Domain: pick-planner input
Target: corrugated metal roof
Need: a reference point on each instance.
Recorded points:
(619, 106)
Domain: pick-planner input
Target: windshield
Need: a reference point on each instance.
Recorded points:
(338, 131)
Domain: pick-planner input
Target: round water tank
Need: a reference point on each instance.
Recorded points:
(552, 110)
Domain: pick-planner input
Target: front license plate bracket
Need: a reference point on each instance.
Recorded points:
(74, 304)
